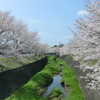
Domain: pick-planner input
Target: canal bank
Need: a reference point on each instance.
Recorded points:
(37, 85)
(88, 94)
(55, 73)
(70, 81)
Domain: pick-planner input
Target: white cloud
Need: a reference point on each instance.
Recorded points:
(82, 12)
(32, 20)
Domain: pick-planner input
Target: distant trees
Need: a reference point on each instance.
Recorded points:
(15, 38)
(65, 49)
(85, 45)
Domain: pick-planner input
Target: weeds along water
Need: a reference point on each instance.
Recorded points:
(34, 89)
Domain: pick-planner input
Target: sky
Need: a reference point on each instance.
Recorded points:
(50, 18)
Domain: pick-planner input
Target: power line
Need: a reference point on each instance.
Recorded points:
(49, 31)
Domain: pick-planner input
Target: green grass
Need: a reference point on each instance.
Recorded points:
(38, 83)
(56, 94)
(33, 89)
(13, 62)
(71, 82)
(52, 66)
(10, 62)
(92, 62)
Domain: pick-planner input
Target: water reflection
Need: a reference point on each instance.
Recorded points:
(56, 83)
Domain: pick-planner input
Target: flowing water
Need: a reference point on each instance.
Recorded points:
(56, 83)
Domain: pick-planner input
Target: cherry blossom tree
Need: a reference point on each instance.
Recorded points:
(85, 45)
(15, 38)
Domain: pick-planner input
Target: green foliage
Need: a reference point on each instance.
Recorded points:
(37, 85)
(10, 62)
(52, 66)
(93, 62)
(70, 81)
(56, 94)
(13, 62)
(43, 79)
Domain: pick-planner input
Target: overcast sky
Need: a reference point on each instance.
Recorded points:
(51, 18)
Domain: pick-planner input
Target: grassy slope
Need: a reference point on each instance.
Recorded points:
(92, 62)
(12, 62)
(36, 86)
(71, 82)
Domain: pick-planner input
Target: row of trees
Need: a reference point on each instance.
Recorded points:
(85, 46)
(15, 38)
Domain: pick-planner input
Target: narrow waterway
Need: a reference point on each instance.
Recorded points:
(56, 83)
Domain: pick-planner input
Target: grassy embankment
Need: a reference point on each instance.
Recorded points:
(13, 62)
(37, 85)
(70, 82)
